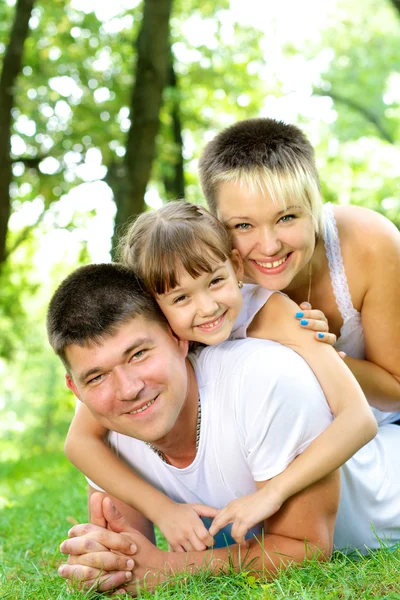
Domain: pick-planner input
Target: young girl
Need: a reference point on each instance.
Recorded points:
(184, 257)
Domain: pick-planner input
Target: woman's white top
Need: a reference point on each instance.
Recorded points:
(351, 339)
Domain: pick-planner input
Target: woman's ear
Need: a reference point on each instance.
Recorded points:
(237, 264)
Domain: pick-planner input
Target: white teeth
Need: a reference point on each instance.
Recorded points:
(139, 410)
(212, 324)
(271, 265)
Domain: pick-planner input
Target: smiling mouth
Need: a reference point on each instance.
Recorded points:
(274, 264)
(210, 325)
(139, 410)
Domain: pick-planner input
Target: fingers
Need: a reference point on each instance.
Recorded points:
(177, 548)
(96, 509)
(239, 530)
(104, 561)
(81, 545)
(313, 315)
(205, 511)
(114, 518)
(305, 306)
(91, 538)
(326, 338)
(221, 520)
(87, 577)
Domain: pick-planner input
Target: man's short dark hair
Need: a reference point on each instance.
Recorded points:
(91, 304)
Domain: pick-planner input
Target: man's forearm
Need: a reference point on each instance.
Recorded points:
(263, 557)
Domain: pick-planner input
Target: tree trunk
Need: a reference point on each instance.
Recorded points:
(175, 184)
(153, 52)
(396, 4)
(11, 67)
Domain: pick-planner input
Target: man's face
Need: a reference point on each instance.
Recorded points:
(135, 382)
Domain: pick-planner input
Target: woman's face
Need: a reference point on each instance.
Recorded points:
(275, 244)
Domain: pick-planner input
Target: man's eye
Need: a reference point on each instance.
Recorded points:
(95, 380)
(242, 226)
(138, 355)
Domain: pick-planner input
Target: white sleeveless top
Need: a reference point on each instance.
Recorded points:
(351, 339)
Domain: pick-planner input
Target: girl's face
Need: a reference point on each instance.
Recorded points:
(275, 244)
(204, 309)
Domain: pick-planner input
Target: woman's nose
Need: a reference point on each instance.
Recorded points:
(269, 243)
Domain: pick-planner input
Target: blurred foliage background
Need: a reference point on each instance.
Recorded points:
(104, 110)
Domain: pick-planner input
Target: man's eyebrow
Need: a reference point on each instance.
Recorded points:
(82, 377)
(247, 218)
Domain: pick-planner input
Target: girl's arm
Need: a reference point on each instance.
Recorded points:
(180, 523)
(354, 424)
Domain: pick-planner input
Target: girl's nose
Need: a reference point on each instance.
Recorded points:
(206, 305)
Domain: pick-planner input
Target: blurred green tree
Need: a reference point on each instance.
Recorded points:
(12, 63)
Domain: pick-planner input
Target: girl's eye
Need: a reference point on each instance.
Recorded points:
(287, 218)
(242, 226)
(179, 299)
(216, 280)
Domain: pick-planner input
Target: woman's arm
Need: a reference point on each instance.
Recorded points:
(371, 254)
(86, 449)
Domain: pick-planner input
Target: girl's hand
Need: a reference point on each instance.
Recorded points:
(316, 321)
(246, 512)
(183, 528)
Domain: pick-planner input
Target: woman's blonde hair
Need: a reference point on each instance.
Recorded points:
(180, 235)
(264, 155)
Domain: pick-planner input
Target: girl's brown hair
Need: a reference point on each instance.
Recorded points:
(180, 235)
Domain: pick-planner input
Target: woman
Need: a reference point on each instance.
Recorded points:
(259, 177)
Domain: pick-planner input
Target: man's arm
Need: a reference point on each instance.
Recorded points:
(302, 528)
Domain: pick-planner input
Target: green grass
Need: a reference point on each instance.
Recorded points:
(42, 495)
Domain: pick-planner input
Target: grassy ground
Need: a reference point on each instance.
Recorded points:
(40, 496)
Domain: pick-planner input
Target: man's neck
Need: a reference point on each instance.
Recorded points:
(179, 446)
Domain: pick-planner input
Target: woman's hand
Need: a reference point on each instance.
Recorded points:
(316, 321)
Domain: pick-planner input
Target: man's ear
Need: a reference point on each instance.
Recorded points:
(237, 264)
(69, 382)
(182, 344)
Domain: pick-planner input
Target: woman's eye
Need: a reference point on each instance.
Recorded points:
(242, 226)
(287, 218)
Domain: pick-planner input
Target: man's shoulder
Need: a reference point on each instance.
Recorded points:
(250, 356)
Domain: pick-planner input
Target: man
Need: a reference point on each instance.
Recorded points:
(219, 425)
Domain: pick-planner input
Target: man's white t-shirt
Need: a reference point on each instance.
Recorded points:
(261, 406)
